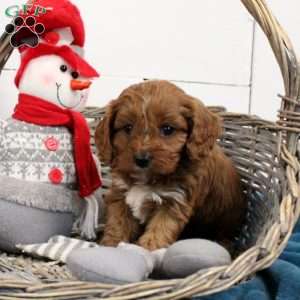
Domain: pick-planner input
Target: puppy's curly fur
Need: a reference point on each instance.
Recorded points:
(170, 178)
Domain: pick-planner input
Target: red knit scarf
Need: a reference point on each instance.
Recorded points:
(37, 111)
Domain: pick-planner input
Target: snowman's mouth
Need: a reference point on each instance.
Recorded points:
(58, 86)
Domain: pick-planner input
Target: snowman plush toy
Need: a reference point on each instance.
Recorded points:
(48, 174)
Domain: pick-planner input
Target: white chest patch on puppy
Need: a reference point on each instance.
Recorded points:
(138, 195)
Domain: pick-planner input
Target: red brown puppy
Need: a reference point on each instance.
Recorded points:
(170, 178)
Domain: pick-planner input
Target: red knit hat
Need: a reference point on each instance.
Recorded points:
(60, 14)
(64, 36)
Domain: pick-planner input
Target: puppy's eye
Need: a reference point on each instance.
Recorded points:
(167, 130)
(128, 128)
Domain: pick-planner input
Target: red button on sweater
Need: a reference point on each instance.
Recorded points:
(52, 144)
(56, 176)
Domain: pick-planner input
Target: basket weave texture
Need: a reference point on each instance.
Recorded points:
(266, 155)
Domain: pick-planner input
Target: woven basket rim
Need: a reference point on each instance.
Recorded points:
(254, 259)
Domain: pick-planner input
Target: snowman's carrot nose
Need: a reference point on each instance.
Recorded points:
(78, 85)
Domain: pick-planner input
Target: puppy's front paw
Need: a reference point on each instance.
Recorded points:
(152, 243)
(109, 242)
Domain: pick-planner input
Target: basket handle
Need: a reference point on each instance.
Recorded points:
(5, 50)
(288, 63)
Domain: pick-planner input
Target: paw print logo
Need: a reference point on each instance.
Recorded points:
(25, 32)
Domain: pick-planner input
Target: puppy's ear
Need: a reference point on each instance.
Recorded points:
(104, 133)
(204, 129)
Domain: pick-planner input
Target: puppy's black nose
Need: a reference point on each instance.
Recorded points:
(142, 160)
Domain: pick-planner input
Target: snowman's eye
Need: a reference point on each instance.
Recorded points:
(75, 74)
(64, 68)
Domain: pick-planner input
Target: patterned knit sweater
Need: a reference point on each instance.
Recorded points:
(37, 166)
(36, 153)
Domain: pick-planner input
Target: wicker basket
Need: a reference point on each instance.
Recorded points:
(266, 156)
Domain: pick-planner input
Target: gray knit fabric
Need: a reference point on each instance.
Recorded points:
(40, 195)
(2, 125)
(26, 164)
(24, 155)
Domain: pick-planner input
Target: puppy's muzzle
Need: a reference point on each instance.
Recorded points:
(143, 160)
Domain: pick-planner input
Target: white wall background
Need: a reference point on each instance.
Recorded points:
(211, 48)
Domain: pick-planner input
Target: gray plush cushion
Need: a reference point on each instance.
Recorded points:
(46, 196)
(189, 256)
(21, 224)
(108, 265)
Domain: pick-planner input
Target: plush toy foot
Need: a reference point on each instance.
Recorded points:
(130, 263)
(125, 264)
(20, 224)
(186, 257)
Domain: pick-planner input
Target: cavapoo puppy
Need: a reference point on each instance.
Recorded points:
(170, 179)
